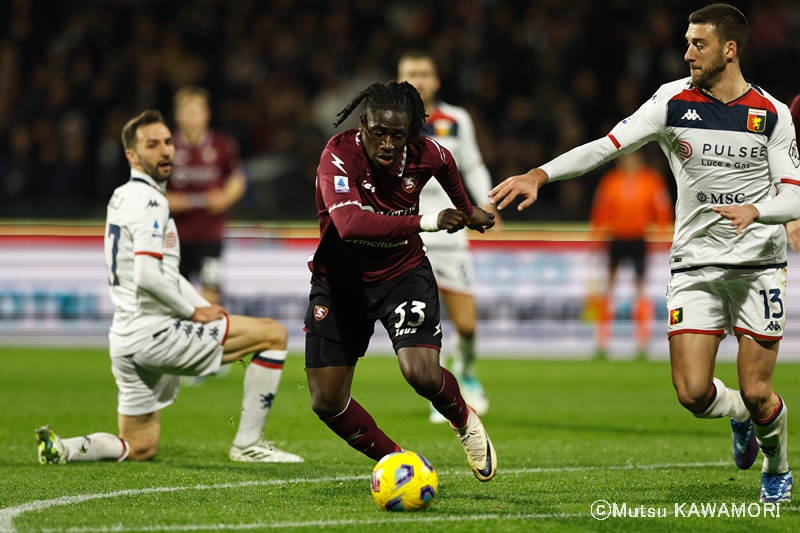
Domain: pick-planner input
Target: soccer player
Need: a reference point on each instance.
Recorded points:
(793, 228)
(207, 180)
(732, 150)
(451, 127)
(370, 265)
(629, 198)
(162, 327)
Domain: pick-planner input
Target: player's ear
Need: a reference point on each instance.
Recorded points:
(730, 50)
(362, 122)
(131, 156)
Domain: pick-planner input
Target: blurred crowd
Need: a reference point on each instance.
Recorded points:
(539, 77)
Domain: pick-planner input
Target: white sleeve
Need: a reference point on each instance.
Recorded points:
(190, 293)
(581, 160)
(782, 153)
(147, 276)
(470, 161)
(645, 125)
(783, 208)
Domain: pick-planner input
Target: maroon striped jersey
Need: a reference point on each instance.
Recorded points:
(369, 219)
(199, 168)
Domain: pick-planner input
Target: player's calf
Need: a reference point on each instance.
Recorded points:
(142, 435)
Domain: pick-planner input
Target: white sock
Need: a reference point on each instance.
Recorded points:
(772, 441)
(261, 381)
(463, 355)
(728, 402)
(95, 447)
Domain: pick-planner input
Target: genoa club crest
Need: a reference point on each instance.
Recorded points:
(676, 315)
(410, 183)
(320, 312)
(756, 120)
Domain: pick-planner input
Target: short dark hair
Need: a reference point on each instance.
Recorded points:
(187, 92)
(418, 53)
(145, 118)
(730, 23)
(391, 96)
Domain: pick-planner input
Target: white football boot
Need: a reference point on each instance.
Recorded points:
(262, 452)
(479, 449)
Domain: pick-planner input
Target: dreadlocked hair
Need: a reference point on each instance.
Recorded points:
(393, 96)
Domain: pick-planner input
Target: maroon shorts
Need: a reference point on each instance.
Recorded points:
(341, 316)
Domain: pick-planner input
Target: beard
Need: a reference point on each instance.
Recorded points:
(153, 172)
(710, 75)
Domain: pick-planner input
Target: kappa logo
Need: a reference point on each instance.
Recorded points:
(320, 312)
(368, 186)
(773, 326)
(153, 203)
(691, 114)
(410, 183)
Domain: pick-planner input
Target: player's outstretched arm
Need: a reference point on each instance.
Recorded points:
(480, 220)
(526, 185)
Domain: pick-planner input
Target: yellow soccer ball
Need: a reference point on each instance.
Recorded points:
(404, 481)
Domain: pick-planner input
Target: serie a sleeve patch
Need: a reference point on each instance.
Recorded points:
(341, 184)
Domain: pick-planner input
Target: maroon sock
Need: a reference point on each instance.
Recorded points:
(449, 401)
(358, 428)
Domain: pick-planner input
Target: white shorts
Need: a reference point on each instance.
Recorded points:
(715, 300)
(453, 269)
(149, 380)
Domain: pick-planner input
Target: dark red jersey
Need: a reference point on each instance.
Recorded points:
(200, 168)
(795, 110)
(368, 219)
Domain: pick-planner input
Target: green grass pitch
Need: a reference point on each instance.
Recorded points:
(567, 433)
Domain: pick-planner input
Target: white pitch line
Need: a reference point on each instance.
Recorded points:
(8, 514)
(402, 519)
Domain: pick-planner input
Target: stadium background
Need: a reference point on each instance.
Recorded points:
(537, 77)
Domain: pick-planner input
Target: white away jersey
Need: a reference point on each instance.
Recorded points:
(138, 221)
(452, 127)
(720, 154)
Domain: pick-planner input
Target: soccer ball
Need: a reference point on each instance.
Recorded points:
(404, 481)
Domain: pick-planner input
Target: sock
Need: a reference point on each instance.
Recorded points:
(605, 323)
(261, 381)
(95, 447)
(449, 401)
(463, 356)
(771, 435)
(643, 315)
(724, 402)
(359, 430)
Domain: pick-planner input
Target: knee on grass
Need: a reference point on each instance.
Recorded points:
(142, 451)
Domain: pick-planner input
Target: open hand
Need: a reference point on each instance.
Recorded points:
(740, 216)
(526, 185)
(208, 314)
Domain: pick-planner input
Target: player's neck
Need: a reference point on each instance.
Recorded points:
(731, 86)
(194, 136)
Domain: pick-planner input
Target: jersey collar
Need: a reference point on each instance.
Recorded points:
(138, 175)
